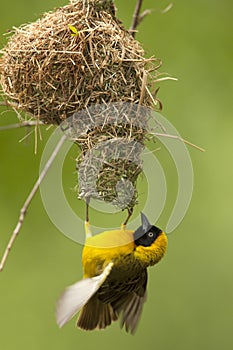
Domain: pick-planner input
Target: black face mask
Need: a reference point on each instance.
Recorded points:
(146, 234)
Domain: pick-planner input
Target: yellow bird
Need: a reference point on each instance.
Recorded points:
(115, 277)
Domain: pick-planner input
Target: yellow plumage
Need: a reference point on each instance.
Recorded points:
(115, 278)
(118, 246)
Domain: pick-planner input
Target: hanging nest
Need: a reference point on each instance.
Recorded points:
(75, 57)
(112, 139)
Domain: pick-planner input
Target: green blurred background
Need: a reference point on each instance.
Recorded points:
(190, 294)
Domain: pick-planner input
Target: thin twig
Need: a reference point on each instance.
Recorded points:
(136, 17)
(143, 15)
(180, 139)
(24, 208)
(21, 125)
(15, 106)
(9, 104)
(167, 8)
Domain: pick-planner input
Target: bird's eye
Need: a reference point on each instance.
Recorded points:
(150, 234)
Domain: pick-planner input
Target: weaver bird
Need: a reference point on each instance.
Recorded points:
(115, 277)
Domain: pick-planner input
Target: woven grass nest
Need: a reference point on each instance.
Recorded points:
(112, 139)
(73, 58)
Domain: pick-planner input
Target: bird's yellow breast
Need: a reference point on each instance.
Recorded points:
(107, 246)
(119, 247)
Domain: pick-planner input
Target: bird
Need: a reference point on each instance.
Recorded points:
(115, 277)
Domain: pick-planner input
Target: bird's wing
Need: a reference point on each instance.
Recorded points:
(77, 295)
(126, 299)
(130, 307)
(113, 290)
(131, 311)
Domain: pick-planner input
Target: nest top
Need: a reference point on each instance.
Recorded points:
(71, 58)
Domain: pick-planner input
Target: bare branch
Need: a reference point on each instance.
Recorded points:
(9, 104)
(136, 16)
(24, 208)
(16, 108)
(27, 123)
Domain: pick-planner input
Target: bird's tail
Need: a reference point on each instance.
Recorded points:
(96, 314)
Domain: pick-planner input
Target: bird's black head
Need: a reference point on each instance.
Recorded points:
(146, 234)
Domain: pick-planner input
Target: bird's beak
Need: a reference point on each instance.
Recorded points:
(145, 223)
(145, 227)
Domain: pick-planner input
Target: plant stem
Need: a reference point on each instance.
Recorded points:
(24, 208)
(136, 17)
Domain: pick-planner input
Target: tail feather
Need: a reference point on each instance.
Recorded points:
(96, 314)
(107, 317)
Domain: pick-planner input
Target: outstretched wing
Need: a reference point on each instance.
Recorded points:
(131, 311)
(77, 295)
(126, 299)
